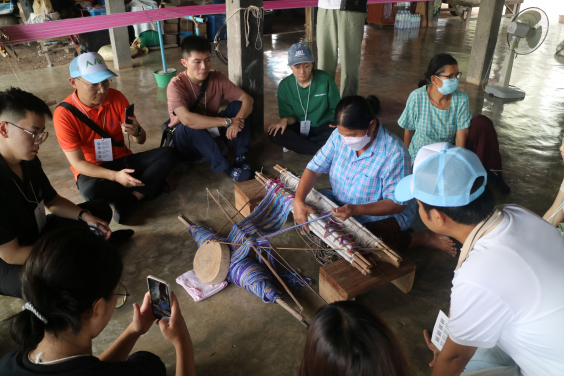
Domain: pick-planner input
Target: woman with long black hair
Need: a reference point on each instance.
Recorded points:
(70, 288)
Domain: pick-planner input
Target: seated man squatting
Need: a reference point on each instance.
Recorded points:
(119, 177)
(197, 125)
(25, 190)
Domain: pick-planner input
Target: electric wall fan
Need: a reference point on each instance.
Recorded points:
(525, 34)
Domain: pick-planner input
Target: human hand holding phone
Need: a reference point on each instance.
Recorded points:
(143, 317)
(175, 330)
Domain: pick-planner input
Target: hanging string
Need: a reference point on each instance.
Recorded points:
(258, 12)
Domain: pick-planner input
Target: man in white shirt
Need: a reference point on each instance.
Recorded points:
(341, 32)
(508, 289)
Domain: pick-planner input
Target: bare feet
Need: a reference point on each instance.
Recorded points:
(429, 239)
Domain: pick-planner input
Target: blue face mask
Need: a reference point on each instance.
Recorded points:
(449, 86)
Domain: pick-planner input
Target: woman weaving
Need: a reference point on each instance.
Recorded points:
(438, 112)
(365, 162)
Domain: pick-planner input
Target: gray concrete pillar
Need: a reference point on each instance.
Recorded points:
(246, 62)
(119, 37)
(485, 38)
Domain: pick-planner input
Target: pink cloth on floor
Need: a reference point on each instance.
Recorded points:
(197, 289)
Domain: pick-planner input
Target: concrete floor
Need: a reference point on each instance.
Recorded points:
(234, 333)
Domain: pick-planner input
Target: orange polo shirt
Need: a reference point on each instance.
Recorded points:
(73, 134)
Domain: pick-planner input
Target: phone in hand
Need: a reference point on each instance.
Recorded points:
(160, 297)
(129, 113)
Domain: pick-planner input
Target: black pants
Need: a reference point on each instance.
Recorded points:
(193, 144)
(292, 140)
(10, 283)
(151, 167)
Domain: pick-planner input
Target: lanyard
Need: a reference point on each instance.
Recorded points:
(86, 113)
(195, 96)
(299, 96)
(23, 194)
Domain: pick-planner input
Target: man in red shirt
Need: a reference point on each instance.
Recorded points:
(198, 123)
(90, 126)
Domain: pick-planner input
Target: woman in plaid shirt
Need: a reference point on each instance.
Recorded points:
(438, 112)
(365, 162)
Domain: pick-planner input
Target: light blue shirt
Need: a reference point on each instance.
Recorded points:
(369, 178)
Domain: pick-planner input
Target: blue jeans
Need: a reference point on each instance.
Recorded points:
(193, 144)
(491, 362)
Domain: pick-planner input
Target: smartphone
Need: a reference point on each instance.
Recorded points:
(160, 297)
(129, 113)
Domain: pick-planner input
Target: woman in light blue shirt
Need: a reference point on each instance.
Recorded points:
(438, 112)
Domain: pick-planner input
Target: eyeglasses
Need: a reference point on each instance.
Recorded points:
(95, 87)
(38, 137)
(452, 77)
(122, 295)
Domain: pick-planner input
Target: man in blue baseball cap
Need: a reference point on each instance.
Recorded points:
(306, 102)
(507, 299)
(91, 125)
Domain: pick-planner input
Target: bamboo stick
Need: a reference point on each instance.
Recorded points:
(261, 256)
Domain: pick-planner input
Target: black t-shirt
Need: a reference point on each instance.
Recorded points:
(17, 218)
(146, 363)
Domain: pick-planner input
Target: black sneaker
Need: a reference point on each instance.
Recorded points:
(123, 208)
(119, 236)
(241, 162)
(239, 174)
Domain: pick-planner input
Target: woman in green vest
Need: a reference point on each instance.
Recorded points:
(306, 103)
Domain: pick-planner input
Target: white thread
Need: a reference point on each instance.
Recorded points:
(32, 309)
(258, 12)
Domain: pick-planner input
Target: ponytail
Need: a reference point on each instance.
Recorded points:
(66, 272)
(437, 65)
(356, 112)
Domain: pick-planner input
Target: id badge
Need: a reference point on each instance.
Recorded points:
(103, 149)
(304, 127)
(40, 217)
(214, 132)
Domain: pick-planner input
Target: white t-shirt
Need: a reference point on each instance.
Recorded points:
(329, 4)
(510, 293)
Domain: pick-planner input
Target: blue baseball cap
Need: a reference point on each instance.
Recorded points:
(443, 175)
(90, 66)
(300, 53)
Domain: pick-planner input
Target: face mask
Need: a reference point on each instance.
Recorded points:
(357, 143)
(449, 86)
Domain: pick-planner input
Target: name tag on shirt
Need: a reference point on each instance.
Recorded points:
(440, 331)
(304, 127)
(103, 149)
(40, 217)
(214, 132)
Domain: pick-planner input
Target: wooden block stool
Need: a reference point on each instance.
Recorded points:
(340, 281)
(246, 191)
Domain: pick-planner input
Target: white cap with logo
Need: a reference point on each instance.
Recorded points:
(90, 66)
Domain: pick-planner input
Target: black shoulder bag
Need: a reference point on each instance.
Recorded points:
(354, 5)
(89, 123)
(167, 139)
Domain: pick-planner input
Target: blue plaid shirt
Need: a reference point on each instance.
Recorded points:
(369, 178)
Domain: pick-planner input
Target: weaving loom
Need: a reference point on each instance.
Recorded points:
(345, 237)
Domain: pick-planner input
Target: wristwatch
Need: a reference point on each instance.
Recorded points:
(139, 133)
(228, 122)
(82, 212)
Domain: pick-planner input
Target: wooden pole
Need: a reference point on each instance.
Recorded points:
(309, 25)
(119, 37)
(246, 62)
